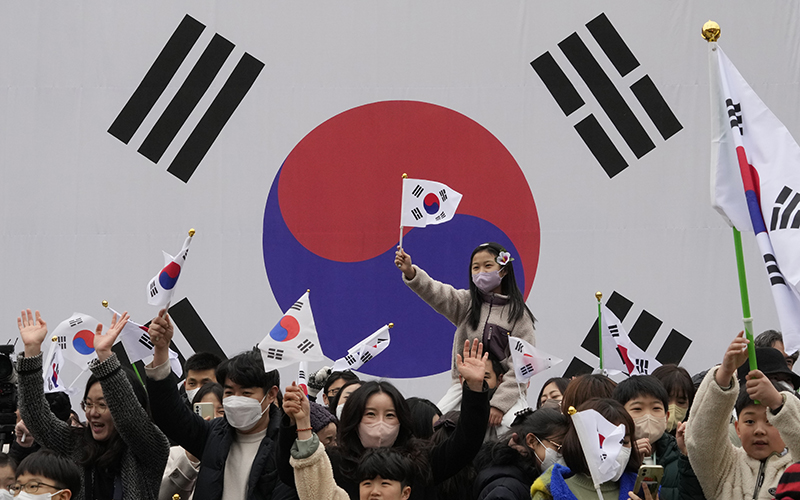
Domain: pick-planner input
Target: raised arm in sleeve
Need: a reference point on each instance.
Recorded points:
(451, 303)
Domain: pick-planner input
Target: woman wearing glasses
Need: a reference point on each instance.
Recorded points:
(121, 452)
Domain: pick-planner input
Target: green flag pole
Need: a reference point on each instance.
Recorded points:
(598, 296)
(747, 320)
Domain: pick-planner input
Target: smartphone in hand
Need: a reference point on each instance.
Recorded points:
(649, 476)
(204, 409)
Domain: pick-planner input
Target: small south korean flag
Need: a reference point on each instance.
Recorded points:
(162, 286)
(427, 202)
(75, 337)
(52, 372)
(529, 360)
(365, 350)
(293, 339)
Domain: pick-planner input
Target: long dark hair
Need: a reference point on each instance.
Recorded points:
(106, 455)
(349, 444)
(508, 287)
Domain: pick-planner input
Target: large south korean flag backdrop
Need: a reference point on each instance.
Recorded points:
(280, 132)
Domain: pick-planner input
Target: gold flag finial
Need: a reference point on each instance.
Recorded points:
(572, 411)
(598, 296)
(405, 175)
(711, 31)
(53, 339)
(176, 497)
(391, 325)
(191, 232)
(105, 303)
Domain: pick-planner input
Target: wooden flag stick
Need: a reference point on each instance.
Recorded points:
(598, 296)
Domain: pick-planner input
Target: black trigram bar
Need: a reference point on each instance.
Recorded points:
(62, 342)
(75, 322)
(614, 330)
(518, 347)
(301, 374)
(156, 79)
(273, 353)
(417, 191)
(145, 341)
(644, 330)
(787, 210)
(351, 360)
(216, 116)
(576, 368)
(656, 107)
(674, 348)
(416, 213)
(194, 330)
(607, 95)
(642, 366)
(187, 97)
(297, 305)
(775, 275)
(526, 369)
(735, 114)
(620, 306)
(557, 83)
(305, 346)
(443, 194)
(612, 44)
(600, 145)
(366, 357)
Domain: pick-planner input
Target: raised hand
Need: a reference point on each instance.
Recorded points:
(104, 343)
(403, 262)
(644, 447)
(760, 389)
(296, 406)
(161, 332)
(735, 355)
(472, 365)
(680, 438)
(32, 332)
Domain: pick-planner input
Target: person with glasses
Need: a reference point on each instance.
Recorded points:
(122, 454)
(45, 474)
(334, 383)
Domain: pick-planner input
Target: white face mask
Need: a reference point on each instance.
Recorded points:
(190, 393)
(378, 434)
(339, 411)
(5, 494)
(551, 456)
(29, 496)
(242, 412)
(622, 459)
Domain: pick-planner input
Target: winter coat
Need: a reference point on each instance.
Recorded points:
(552, 485)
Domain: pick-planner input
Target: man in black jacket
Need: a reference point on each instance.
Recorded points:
(237, 453)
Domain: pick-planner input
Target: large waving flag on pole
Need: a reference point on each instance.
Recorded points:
(293, 339)
(161, 288)
(620, 354)
(52, 368)
(529, 360)
(75, 336)
(601, 442)
(364, 350)
(755, 168)
(426, 202)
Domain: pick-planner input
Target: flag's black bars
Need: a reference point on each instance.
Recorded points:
(194, 330)
(612, 44)
(618, 305)
(215, 117)
(656, 107)
(187, 97)
(156, 80)
(601, 146)
(787, 212)
(557, 83)
(674, 348)
(607, 95)
(644, 330)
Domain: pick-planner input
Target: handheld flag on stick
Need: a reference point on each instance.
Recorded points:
(75, 336)
(161, 288)
(601, 442)
(53, 365)
(529, 360)
(755, 175)
(620, 353)
(302, 376)
(293, 339)
(135, 339)
(364, 350)
(426, 202)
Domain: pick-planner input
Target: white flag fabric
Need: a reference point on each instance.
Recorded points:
(135, 339)
(529, 360)
(755, 168)
(293, 339)
(52, 370)
(302, 376)
(427, 202)
(161, 288)
(75, 336)
(620, 354)
(364, 351)
(601, 442)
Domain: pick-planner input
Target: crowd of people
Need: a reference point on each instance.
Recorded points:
(232, 431)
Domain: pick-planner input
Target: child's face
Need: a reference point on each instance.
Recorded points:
(384, 489)
(484, 262)
(45, 485)
(759, 437)
(6, 476)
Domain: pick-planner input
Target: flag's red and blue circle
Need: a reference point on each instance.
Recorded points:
(83, 342)
(286, 329)
(332, 216)
(431, 203)
(169, 276)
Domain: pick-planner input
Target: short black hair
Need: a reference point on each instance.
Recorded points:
(60, 470)
(676, 380)
(346, 375)
(388, 463)
(422, 413)
(497, 366)
(560, 382)
(743, 400)
(247, 370)
(201, 361)
(640, 385)
(213, 388)
(6, 460)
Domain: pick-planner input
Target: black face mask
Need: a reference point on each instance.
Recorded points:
(492, 391)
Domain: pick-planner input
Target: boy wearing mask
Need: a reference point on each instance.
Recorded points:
(646, 400)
